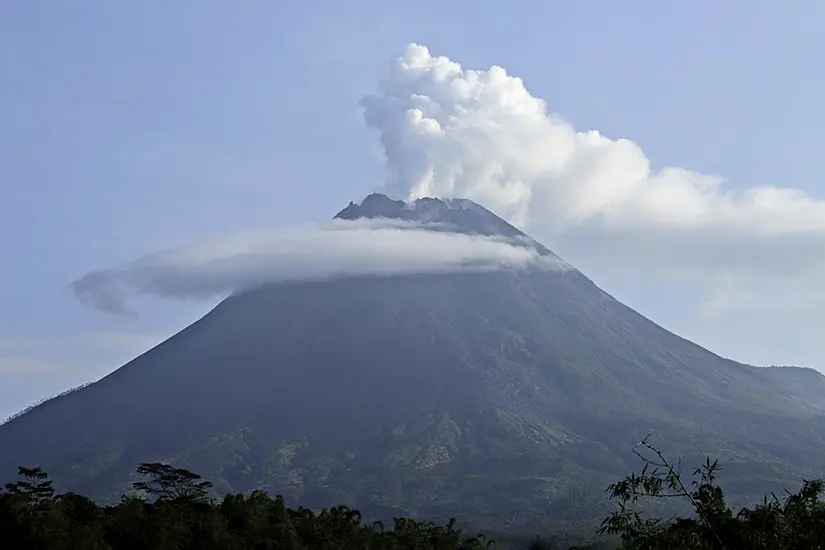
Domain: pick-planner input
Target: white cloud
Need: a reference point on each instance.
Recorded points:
(219, 266)
(479, 134)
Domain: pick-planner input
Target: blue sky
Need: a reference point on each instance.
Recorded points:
(126, 128)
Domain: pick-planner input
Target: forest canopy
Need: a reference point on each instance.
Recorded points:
(173, 508)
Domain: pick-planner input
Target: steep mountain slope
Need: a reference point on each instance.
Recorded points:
(805, 383)
(504, 396)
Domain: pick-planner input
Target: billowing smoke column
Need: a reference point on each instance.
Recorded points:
(479, 134)
(448, 131)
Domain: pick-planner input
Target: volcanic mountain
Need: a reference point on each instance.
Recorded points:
(500, 397)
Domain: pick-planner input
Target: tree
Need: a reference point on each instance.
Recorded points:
(34, 490)
(796, 522)
(168, 483)
(180, 517)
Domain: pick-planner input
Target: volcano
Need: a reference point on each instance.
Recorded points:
(499, 397)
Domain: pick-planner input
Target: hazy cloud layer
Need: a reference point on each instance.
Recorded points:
(479, 134)
(220, 266)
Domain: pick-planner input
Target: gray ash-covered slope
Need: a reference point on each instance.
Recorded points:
(502, 398)
(805, 383)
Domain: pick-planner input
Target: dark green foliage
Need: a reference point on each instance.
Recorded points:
(182, 516)
(796, 521)
(170, 483)
(34, 489)
(33, 516)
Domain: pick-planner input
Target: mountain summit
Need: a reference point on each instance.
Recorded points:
(454, 215)
(461, 215)
(507, 397)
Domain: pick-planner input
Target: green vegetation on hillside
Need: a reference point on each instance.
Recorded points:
(171, 508)
(794, 522)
